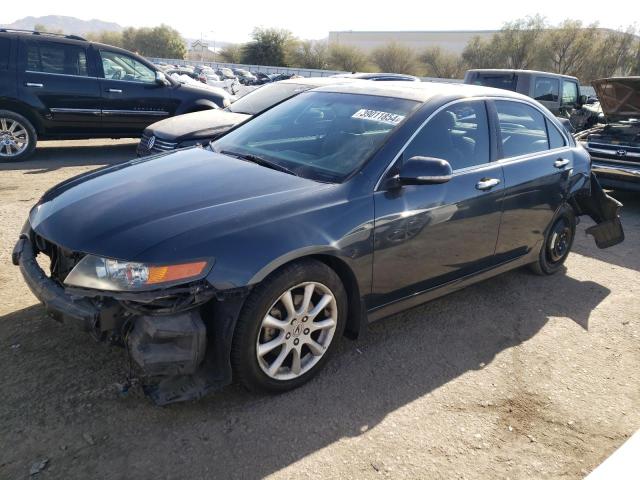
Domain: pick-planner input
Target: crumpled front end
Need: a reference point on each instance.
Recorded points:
(177, 349)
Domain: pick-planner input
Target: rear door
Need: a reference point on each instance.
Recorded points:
(59, 80)
(131, 97)
(428, 235)
(537, 163)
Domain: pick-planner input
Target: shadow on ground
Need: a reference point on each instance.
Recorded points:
(235, 434)
(51, 156)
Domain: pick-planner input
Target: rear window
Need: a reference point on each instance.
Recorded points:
(57, 58)
(505, 81)
(5, 47)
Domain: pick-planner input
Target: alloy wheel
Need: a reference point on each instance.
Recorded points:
(14, 138)
(297, 331)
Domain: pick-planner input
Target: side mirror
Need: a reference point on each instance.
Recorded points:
(161, 79)
(424, 171)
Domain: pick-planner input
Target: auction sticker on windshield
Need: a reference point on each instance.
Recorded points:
(377, 116)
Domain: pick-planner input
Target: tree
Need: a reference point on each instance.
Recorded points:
(106, 37)
(395, 58)
(441, 64)
(310, 54)
(348, 58)
(518, 44)
(613, 53)
(162, 41)
(269, 46)
(479, 53)
(231, 53)
(569, 46)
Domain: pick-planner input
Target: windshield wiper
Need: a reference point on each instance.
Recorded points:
(260, 161)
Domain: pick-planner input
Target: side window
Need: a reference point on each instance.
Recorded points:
(556, 140)
(458, 134)
(117, 66)
(5, 49)
(569, 93)
(57, 58)
(522, 128)
(546, 89)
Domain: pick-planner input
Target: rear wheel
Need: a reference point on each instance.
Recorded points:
(17, 137)
(288, 327)
(557, 244)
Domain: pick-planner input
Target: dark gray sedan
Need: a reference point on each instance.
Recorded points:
(337, 207)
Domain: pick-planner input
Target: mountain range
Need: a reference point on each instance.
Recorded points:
(69, 25)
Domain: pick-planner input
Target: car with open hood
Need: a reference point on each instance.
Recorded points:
(615, 145)
(200, 128)
(344, 204)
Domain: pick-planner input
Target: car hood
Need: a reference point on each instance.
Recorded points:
(165, 208)
(619, 97)
(196, 125)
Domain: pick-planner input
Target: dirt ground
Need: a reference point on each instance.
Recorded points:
(519, 377)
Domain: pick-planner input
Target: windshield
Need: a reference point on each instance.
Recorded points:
(264, 97)
(319, 135)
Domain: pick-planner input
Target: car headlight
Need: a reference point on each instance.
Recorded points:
(117, 275)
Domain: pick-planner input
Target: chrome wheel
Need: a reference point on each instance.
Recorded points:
(297, 331)
(14, 138)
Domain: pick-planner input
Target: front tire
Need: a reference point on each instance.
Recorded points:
(557, 243)
(18, 138)
(289, 327)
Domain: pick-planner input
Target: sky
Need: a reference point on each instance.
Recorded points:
(233, 21)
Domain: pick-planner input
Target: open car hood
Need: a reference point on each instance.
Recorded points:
(619, 97)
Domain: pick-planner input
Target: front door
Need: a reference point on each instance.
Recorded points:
(131, 97)
(428, 235)
(59, 80)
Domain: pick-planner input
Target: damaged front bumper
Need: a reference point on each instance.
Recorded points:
(180, 354)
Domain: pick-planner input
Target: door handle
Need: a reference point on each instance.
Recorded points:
(114, 90)
(561, 162)
(487, 183)
(34, 85)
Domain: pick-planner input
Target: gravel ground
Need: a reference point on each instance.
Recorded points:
(516, 377)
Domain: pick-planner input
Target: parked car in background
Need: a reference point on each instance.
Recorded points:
(614, 146)
(379, 77)
(559, 93)
(55, 87)
(200, 128)
(226, 74)
(206, 74)
(262, 78)
(244, 76)
(336, 207)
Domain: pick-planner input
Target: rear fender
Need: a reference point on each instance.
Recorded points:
(605, 211)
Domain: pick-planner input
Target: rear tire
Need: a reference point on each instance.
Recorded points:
(18, 138)
(557, 243)
(289, 327)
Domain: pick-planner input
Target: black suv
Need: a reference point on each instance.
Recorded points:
(64, 87)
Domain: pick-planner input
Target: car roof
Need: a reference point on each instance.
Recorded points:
(527, 72)
(419, 91)
(365, 75)
(313, 82)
